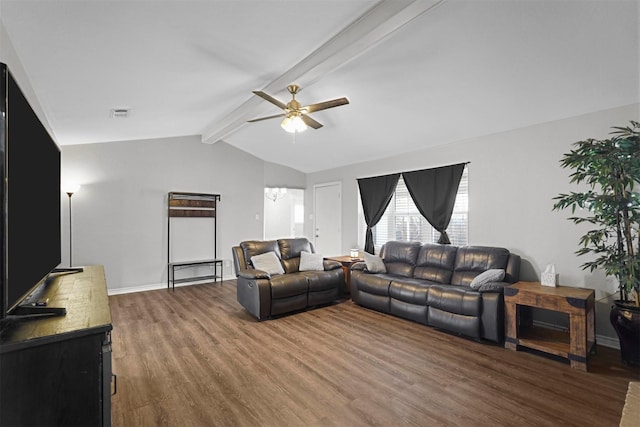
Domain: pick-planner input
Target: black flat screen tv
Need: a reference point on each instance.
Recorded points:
(30, 163)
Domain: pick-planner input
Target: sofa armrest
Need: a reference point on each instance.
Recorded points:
(330, 264)
(255, 295)
(493, 287)
(253, 274)
(360, 266)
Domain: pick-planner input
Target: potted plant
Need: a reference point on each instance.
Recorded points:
(611, 206)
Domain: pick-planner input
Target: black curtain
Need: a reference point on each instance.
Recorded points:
(434, 193)
(375, 193)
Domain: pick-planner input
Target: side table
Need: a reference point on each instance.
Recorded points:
(578, 303)
(346, 262)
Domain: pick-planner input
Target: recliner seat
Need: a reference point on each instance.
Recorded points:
(265, 295)
(430, 284)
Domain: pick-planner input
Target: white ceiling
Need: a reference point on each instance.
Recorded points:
(416, 73)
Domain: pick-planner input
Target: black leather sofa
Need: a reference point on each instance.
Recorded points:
(430, 284)
(265, 295)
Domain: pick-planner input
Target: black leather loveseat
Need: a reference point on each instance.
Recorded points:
(265, 294)
(431, 284)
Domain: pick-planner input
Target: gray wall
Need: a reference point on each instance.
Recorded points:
(8, 56)
(513, 177)
(119, 214)
(119, 217)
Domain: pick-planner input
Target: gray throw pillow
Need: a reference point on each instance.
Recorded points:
(268, 262)
(492, 275)
(374, 263)
(311, 262)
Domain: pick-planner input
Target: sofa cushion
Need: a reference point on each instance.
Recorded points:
(323, 280)
(473, 260)
(374, 263)
(411, 291)
(290, 250)
(257, 247)
(400, 257)
(435, 262)
(376, 302)
(453, 299)
(407, 310)
(377, 284)
(289, 304)
(268, 262)
(456, 323)
(311, 262)
(491, 275)
(286, 285)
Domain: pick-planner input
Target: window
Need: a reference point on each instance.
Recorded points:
(403, 221)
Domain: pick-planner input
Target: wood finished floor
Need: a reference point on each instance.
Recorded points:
(194, 357)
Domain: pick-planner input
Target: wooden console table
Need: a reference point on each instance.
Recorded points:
(56, 371)
(578, 303)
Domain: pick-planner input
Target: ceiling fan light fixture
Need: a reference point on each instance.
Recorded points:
(293, 124)
(296, 117)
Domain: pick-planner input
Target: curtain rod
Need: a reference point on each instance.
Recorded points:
(393, 173)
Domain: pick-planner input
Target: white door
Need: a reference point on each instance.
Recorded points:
(327, 206)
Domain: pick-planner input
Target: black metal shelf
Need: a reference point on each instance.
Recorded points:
(192, 205)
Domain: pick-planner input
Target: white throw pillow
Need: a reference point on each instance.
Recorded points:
(492, 275)
(374, 263)
(311, 262)
(268, 262)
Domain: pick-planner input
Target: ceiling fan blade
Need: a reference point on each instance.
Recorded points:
(327, 104)
(265, 118)
(310, 122)
(270, 98)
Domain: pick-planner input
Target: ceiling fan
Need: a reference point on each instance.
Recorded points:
(296, 117)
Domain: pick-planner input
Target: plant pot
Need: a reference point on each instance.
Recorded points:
(625, 319)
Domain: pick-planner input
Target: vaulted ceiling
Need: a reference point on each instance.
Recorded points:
(417, 73)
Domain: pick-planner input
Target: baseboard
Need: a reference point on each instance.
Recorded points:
(603, 340)
(153, 287)
(606, 341)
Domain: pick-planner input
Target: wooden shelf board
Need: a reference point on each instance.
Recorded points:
(545, 339)
(194, 278)
(195, 262)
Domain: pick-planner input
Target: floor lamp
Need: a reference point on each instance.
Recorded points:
(70, 189)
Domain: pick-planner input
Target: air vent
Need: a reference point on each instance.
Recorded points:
(119, 113)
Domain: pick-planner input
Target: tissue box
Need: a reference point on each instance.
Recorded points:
(549, 279)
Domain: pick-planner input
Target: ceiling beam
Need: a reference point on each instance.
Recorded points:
(365, 32)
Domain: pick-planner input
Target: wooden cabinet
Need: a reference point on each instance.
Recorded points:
(56, 371)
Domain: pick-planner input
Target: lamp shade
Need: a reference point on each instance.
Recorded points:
(70, 187)
(293, 124)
